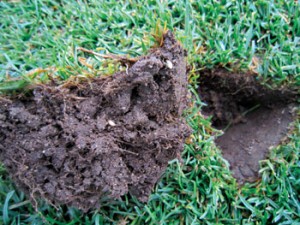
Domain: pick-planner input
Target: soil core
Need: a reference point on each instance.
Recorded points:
(108, 136)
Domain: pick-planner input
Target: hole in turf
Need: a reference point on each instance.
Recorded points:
(253, 117)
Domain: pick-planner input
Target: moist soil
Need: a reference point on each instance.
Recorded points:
(73, 144)
(253, 118)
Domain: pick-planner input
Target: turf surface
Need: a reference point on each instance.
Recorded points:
(263, 36)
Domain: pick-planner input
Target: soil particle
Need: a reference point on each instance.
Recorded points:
(72, 145)
(253, 118)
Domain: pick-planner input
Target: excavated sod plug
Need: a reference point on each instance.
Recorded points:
(109, 136)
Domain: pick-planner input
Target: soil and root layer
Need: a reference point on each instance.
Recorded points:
(74, 144)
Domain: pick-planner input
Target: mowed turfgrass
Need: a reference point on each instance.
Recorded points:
(263, 36)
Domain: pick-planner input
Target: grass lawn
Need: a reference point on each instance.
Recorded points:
(263, 36)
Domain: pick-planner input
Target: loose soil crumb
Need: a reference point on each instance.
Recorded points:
(253, 118)
(72, 145)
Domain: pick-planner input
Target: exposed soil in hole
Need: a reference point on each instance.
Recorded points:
(253, 117)
(111, 135)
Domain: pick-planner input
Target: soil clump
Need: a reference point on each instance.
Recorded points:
(252, 116)
(107, 136)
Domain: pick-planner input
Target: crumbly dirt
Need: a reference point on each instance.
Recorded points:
(74, 144)
(253, 117)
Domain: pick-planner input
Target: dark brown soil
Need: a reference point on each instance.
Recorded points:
(113, 135)
(253, 118)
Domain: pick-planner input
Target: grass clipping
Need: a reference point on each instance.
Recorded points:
(106, 136)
